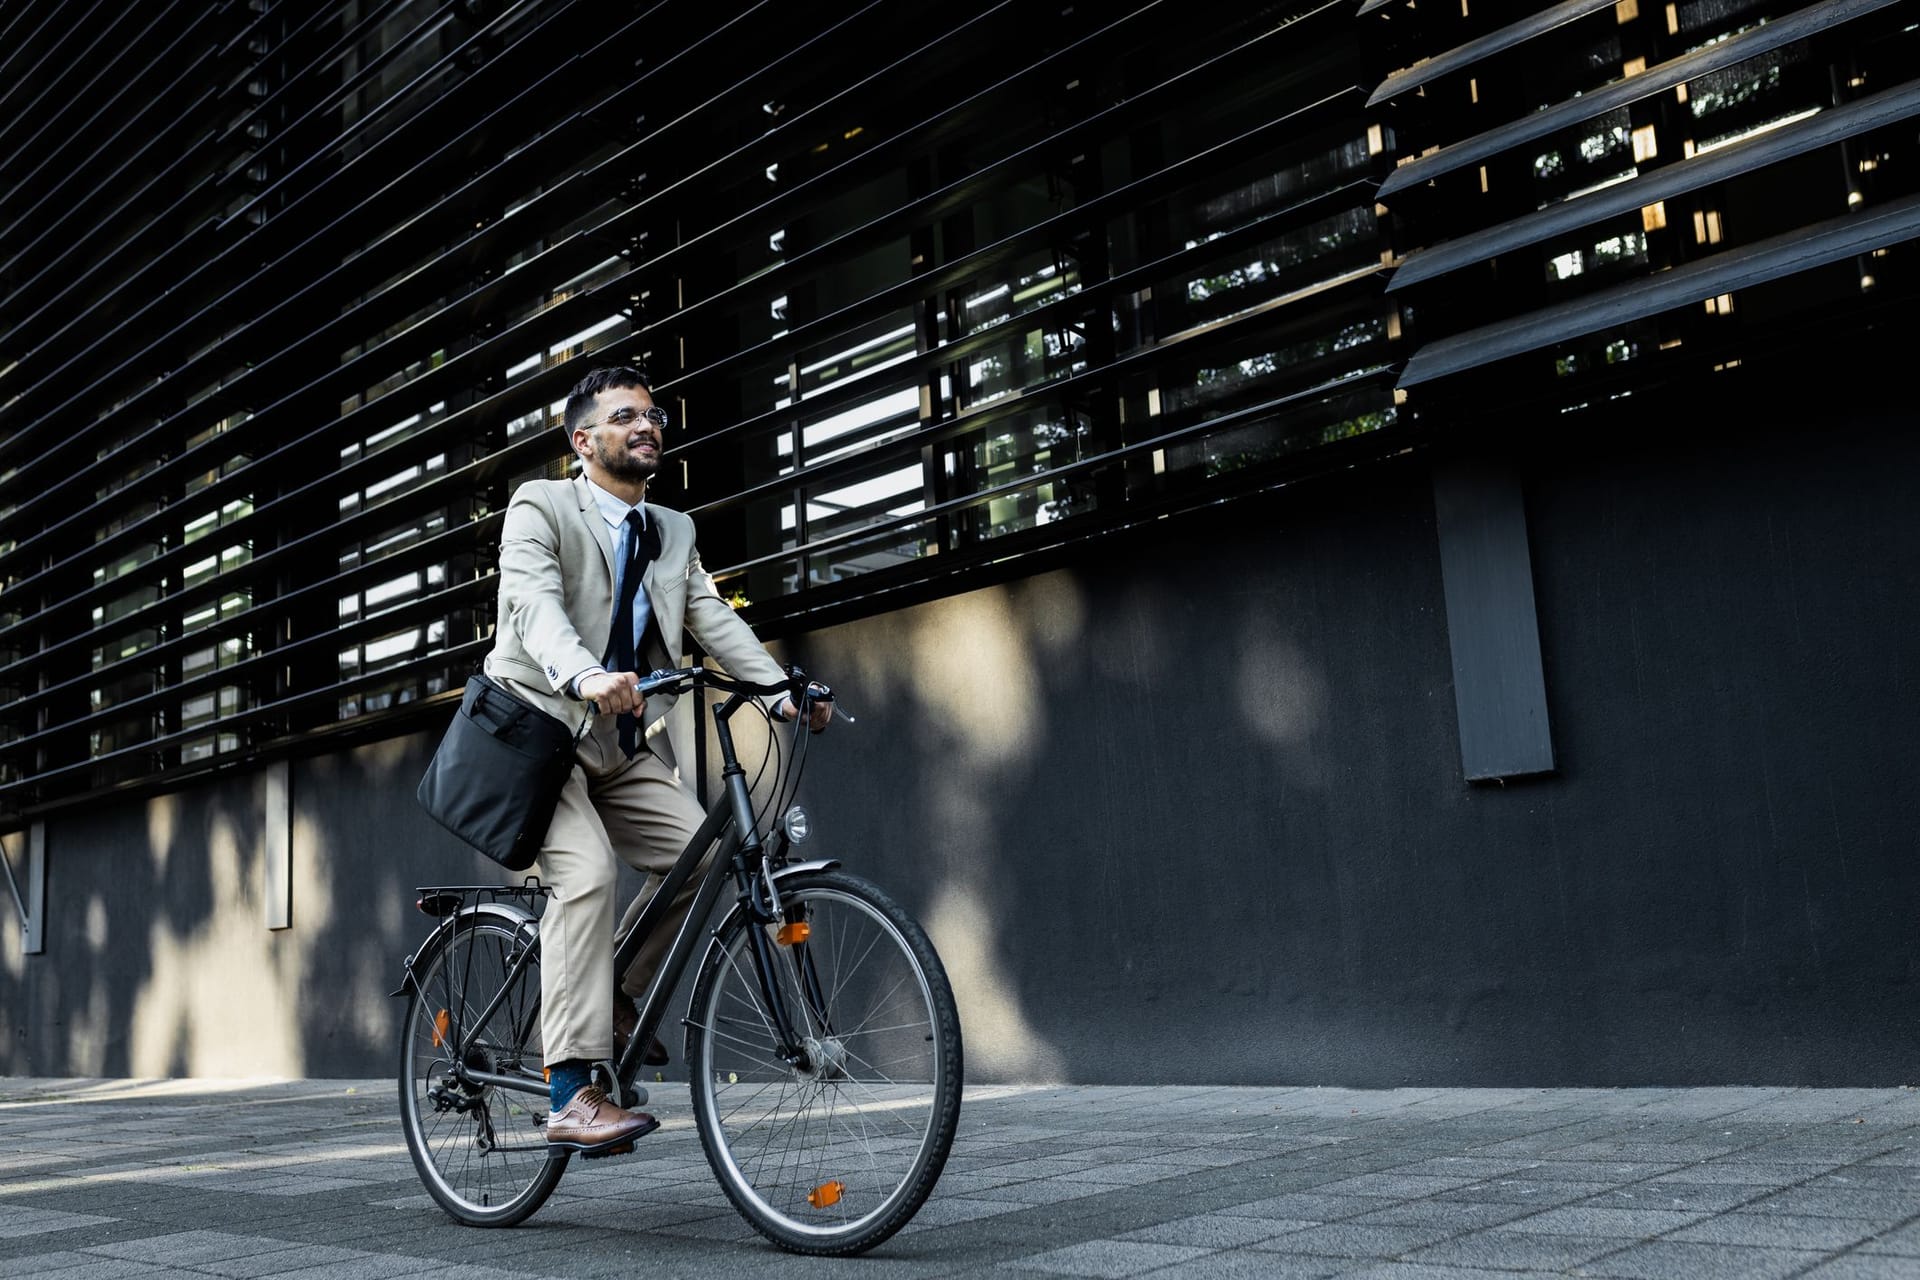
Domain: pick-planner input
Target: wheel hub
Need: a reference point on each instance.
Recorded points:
(826, 1059)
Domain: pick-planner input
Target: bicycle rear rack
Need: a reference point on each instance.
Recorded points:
(474, 1064)
(443, 900)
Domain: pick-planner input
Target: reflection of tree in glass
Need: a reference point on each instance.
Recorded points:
(1745, 82)
(1252, 453)
(989, 372)
(1059, 344)
(1211, 383)
(1631, 247)
(1709, 13)
(1029, 446)
(1596, 146)
(1054, 434)
(1243, 204)
(1322, 239)
(1067, 501)
(1026, 291)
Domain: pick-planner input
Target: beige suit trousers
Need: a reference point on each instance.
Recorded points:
(635, 810)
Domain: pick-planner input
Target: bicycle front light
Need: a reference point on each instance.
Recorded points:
(796, 824)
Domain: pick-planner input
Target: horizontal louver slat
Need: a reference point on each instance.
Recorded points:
(1725, 53)
(1033, 275)
(1786, 254)
(1691, 174)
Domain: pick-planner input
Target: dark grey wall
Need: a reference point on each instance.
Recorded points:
(1234, 843)
(129, 887)
(1191, 808)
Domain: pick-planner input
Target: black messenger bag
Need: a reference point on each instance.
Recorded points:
(496, 778)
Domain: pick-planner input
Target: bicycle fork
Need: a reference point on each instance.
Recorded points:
(798, 1045)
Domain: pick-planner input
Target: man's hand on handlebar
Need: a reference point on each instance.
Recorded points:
(819, 710)
(612, 692)
(819, 700)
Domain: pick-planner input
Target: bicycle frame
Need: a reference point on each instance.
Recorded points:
(742, 856)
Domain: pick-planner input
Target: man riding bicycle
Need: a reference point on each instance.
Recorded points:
(596, 586)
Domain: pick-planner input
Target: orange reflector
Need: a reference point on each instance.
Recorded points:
(439, 1028)
(826, 1194)
(792, 932)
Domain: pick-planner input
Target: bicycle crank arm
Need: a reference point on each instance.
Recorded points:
(522, 1146)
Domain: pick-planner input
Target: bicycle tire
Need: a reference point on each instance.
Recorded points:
(480, 1151)
(864, 1132)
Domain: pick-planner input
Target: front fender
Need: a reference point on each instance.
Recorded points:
(791, 869)
(509, 913)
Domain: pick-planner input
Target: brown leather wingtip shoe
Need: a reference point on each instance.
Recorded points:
(590, 1123)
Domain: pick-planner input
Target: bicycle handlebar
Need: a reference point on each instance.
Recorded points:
(797, 685)
(707, 678)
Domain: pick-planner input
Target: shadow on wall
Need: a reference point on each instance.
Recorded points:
(147, 964)
(972, 668)
(158, 958)
(1010, 783)
(366, 844)
(1103, 790)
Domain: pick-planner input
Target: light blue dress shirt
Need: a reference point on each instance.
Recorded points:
(614, 511)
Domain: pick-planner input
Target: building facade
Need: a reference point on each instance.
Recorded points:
(1371, 542)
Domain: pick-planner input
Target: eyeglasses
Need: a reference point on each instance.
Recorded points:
(626, 415)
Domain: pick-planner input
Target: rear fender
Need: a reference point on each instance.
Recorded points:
(510, 914)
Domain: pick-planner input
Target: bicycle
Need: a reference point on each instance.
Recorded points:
(822, 1042)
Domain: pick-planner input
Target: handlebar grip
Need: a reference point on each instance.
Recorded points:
(797, 685)
(661, 677)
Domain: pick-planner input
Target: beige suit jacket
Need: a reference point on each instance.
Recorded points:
(557, 573)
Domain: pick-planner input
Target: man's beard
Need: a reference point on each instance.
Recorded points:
(625, 465)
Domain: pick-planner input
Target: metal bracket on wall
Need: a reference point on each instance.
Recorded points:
(32, 904)
(1493, 630)
(276, 889)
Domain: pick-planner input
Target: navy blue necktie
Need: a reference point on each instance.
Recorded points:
(643, 544)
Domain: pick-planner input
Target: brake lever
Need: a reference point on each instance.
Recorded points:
(825, 695)
(658, 678)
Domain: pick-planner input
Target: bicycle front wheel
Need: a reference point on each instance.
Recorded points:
(480, 1148)
(834, 1151)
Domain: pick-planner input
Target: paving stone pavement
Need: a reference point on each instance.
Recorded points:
(103, 1179)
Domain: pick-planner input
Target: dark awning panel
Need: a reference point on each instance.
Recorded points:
(1787, 254)
(1795, 26)
(1828, 127)
(1491, 43)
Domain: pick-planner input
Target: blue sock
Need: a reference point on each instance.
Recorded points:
(564, 1079)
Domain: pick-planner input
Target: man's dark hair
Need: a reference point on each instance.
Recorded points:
(580, 399)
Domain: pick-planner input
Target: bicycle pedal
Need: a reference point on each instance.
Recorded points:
(624, 1149)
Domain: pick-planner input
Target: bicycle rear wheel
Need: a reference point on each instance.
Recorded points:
(481, 1150)
(834, 1154)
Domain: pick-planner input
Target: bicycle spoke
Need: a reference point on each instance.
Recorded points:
(884, 1107)
(875, 1031)
(828, 1154)
(481, 1150)
(752, 1044)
